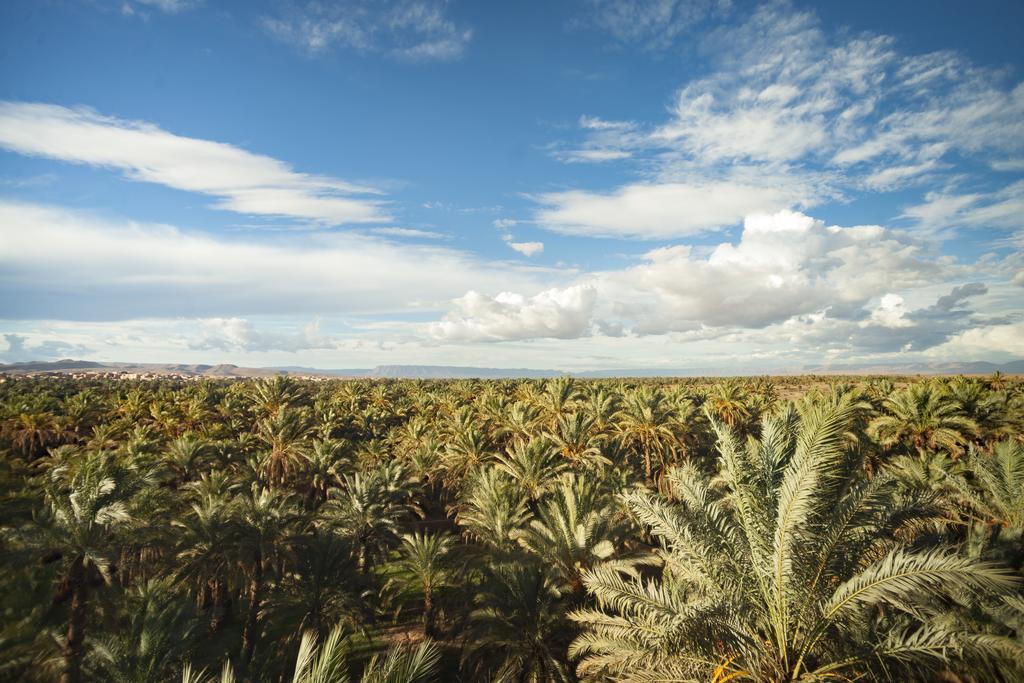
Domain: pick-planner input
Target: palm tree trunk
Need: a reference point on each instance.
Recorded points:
(428, 611)
(252, 619)
(73, 644)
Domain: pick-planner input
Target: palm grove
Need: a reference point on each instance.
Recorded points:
(741, 530)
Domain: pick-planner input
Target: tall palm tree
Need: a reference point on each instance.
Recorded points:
(269, 396)
(368, 511)
(558, 398)
(426, 561)
(185, 456)
(322, 588)
(790, 564)
(79, 527)
(207, 540)
(644, 424)
(31, 434)
(266, 522)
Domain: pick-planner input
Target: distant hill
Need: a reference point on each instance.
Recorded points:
(458, 372)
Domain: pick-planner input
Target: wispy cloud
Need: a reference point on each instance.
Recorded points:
(660, 210)
(656, 24)
(413, 233)
(241, 181)
(824, 115)
(99, 269)
(412, 30)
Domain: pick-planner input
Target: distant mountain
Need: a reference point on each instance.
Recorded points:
(458, 372)
(454, 372)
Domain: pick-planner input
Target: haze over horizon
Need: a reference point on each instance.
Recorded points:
(579, 185)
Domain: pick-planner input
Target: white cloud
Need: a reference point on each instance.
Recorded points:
(409, 232)
(1003, 208)
(823, 115)
(20, 349)
(999, 342)
(504, 223)
(239, 334)
(59, 264)
(584, 156)
(558, 313)
(890, 312)
(412, 30)
(169, 6)
(242, 181)
(659, 210)
(784, 265)
(655, 24)
(527, 248)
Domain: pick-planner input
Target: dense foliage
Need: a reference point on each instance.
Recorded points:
(739, 530)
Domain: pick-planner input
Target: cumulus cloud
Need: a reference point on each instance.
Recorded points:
(411, 30)
(63, 264)
(558, 313)
(785, 264)
(241, 181)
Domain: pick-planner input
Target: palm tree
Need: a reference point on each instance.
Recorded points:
(558, 398)
(151, 643)
(185, 455)
(32, 434)
(577, 439)
(328, 663)
(368, 510)
(994, 493)
(490, 512)
(270, 396)
(325, 462)
(425, 559)
(533, 467)
(573, 532)
(644, 424)
(923, 417)
(322, 588)
(265, 521)
(727, 401)
(79, 527)
(789, 564)
(208, 538)
(284, 432)
(518, 631)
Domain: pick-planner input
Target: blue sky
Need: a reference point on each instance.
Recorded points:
(579, 184)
